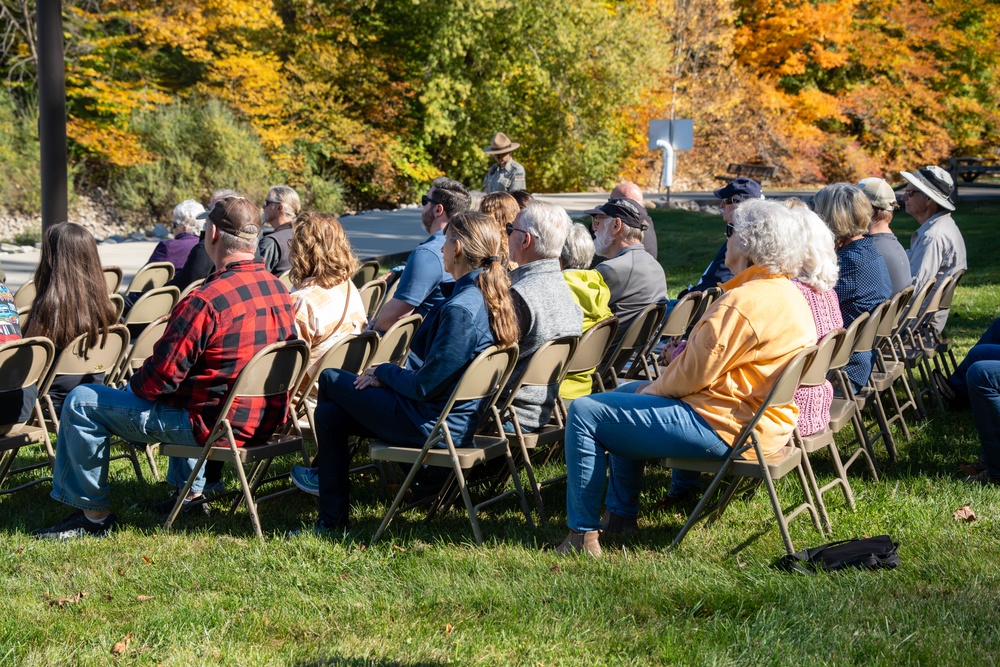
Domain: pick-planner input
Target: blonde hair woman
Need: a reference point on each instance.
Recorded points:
(503, 208)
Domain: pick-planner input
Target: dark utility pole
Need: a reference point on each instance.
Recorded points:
(52, 112)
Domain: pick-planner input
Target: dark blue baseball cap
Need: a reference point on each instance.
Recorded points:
(740, 187)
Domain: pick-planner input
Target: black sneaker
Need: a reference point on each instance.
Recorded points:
(75, 526)
(191, 505)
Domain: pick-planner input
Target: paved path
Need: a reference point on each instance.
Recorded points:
(386, 234)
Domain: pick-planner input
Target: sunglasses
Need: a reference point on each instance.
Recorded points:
(510, 229)
(729, 201)
(729, 229)
(425, 200)
(268, 202)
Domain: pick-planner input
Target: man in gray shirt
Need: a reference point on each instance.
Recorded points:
(883, 201)
(633, 276)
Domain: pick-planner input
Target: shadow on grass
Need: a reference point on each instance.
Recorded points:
(342, 661)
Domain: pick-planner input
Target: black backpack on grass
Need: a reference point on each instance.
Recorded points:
(867, 552)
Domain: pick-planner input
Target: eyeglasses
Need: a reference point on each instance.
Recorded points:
(729, 229)
(906, 194)
(510, 229)
(425, 200)
(268, 202)
(729, 201)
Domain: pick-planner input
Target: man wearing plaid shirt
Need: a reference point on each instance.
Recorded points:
(177, 394)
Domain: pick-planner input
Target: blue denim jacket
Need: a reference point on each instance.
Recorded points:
(454, 332)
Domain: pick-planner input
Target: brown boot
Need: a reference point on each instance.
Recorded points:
(581, 542)
(612, 524)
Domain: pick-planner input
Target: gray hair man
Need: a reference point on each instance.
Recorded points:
(883, 201)
(937, 247)
(629, 190)
(280, 208)
(420, 283)
(634, 277)
(543, 302)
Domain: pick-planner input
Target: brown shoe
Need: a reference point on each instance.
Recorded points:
(612, 524)
(581, 543)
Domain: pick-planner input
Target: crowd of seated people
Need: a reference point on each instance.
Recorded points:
(516, 272)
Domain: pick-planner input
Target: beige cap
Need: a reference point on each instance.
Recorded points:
(879, 193)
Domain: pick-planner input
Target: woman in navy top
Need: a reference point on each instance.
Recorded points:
(402, 405)
(864, 279)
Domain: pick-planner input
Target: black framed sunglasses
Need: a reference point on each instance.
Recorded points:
(268, 202)
(425, 200)
(510, 229)
(729, 201)
(729, 229)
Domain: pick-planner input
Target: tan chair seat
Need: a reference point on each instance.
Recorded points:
(486, 448)
(277, 445)
(790, 458)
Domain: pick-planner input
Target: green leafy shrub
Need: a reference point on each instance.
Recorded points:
(20, 172)
(30, 235)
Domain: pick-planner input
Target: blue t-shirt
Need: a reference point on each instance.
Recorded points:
(420, 284)
(863, 284)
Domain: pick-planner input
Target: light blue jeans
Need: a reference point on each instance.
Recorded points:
(93, 413)
(632, 429)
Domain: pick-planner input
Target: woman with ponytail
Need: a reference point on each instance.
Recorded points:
(401, 405)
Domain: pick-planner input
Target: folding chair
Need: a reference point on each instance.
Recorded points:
(942, 346)
(24, 363)
(547, 367)
(153, 304)
(286, 279)
(394, 345)
(787, 459)
(674, 327)
(371, 295)
(190, 288)
(118, 301)
(920, 342)
(113, 278)
(276, 369)
(889, 370)
(22, 317)
(482, 380)
(902, 342)
(708, 296)
(594, 346)
(151, 276)
(367, 272)
(845, 409)
(636, 337)
(815, 376)
(25, 295)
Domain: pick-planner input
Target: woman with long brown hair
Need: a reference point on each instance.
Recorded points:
(72, 298)
(327, 304)
(402, 404)
(503, 208)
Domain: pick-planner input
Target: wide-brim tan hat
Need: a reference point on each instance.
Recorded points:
(934, 182)
(501, 144)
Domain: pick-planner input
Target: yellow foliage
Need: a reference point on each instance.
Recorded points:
(118, 147)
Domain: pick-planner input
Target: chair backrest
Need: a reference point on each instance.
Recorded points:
(815, 373)
(276, 369)
(366, 273)
(25, 295)
(682, 316)
(118, 301)
(22, 317)
(352, 353)
(708, 296)
(485, 376)
(933, 303)
(142, 348)
(151, 276)
(894, 314)
(190, 288)
(286, 279)
(78, 359)
(112, 277)
(593, 345)
(916, 303)
(865, 340)
(371, 295)
(637, 336)
(394, 346)
(24, 362)
(151, 305)
(546, 367)
(846, 348)
(948, 294)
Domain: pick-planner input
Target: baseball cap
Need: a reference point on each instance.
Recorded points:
(740, 187)
(631, 212)
(879, 193)
(235, 215)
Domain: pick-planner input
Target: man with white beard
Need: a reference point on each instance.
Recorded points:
(634, 277)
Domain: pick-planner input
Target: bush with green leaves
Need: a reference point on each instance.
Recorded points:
(20, 171)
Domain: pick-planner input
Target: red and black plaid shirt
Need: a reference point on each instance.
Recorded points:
(210, 337)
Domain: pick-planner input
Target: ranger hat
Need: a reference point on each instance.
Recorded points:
(879, 193)
(631, 212)
(934, 182)
(235, 215)
(500, 144)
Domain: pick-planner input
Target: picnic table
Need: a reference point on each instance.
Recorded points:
(758, 172)
(970, 168)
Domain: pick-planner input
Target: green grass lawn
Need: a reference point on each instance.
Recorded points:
(210, 593)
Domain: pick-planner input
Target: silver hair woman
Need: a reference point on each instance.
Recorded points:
(864, 280)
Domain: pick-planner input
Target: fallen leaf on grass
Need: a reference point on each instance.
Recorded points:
(62, 602)
(447, 630)
(147, 560)
(108, 597)
(555, 569)
(965, 513)
(143, 598)
(121, 573)
(122, 646)
(396, 547)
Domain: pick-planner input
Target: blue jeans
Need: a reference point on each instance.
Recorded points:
(92, 414)
(986, 349)
(343, 411)
(984, 401)
(632, 429)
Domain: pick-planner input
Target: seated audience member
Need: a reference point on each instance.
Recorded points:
(423, 279)
(739, 190)
(698, 405)
(18, 405)
(198, 265)
(523, 198)
(816, 279)
(630, 190)
(634, 277)
(327, 305)
(503, 208)
(186, 228)
(178, 392)
(983, 381)
(883, 200)
(71, 299)
(401, 405)
(955, 389)
(10, 325)
(590, 293)
(937, 248)
(280, 208)
(543, 302)
(864, 279)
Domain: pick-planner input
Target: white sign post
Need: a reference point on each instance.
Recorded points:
(670, 136)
